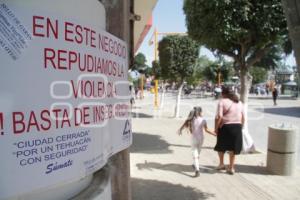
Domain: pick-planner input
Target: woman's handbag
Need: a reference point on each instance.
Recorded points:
(248, 144)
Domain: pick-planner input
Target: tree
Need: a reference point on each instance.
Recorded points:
(272, 58)
(201, 63)
(259, 74)
(156, 69)
(148, 71)
(223, 67)
(244, 30)
(177, 55)
(139, 63)
(292, 10)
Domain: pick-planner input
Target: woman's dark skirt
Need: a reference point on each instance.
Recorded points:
(229, 138)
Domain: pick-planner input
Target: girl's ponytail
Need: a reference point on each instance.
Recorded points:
(188, 122)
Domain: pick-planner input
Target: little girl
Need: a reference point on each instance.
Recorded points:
(195, 123)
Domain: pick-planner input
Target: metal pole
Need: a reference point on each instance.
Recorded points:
(142, 87)
(155, 59)
(156, 94)
(155, 81)
(155, 44)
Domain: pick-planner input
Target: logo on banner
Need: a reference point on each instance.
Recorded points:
(127, 130)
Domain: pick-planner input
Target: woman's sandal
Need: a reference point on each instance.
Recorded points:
(230, 171)
(221, 167)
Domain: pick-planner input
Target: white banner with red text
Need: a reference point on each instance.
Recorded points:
(64, 106)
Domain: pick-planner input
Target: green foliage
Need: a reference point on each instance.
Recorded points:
(177, 56)
(272, 58)
(156, 69)
(275, 55)
(139, 63)
(202, 62)
(199, 66)
(211, 71)
(259, 74)
(135, 81)
(148, 71)
(205, 69)
(242, 29)
(130, 78)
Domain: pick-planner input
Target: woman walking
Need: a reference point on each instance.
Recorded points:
(228, 126)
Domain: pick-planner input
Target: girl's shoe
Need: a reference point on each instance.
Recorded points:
(221, 167)
(197, 173)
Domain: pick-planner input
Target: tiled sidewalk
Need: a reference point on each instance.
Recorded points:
(161, 167)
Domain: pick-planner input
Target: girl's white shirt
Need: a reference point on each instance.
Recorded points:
(197, 127)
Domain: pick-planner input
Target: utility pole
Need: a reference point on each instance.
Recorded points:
(155, 81)
(142, 86)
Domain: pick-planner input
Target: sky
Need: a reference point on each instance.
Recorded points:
(168, 16)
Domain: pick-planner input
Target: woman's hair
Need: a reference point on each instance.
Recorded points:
(196, 112)
(228, 93)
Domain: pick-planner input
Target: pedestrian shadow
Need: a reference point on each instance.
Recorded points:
(181, 145)
(286, 111)
(140, 115)
(189, 146)
(250, 169)
(153, 189)
(149, 144)
(211, 169)
(207, 147)
(186, 170)
(247, 169)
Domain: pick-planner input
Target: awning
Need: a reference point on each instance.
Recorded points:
(142, 27)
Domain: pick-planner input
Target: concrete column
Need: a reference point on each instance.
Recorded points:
(118, 23)
(282, 149)
(292, 12)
